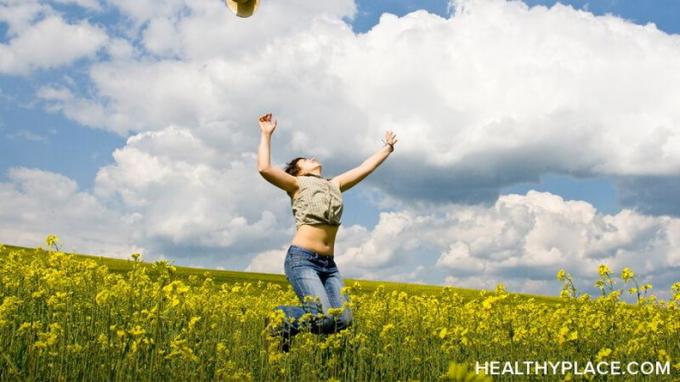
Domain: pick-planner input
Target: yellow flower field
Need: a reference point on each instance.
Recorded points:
(68, 318)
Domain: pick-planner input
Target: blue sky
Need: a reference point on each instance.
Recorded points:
(437, 211)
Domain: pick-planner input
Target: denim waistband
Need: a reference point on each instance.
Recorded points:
(309, 252)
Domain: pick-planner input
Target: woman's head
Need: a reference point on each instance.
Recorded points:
(302, 166)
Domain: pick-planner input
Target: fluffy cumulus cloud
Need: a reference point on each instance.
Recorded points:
(18, 15)
(187, 193)
(495, 94)
(42, 39)
(36, 203)
(166, 192)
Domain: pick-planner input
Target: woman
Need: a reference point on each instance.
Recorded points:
(317, 208)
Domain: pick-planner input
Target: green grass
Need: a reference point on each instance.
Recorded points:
(224, 276)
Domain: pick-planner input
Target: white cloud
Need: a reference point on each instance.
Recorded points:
(522, 241)
(200, 29)
(50, 43)
(35, 203)
(380, 246)
(165, 189)
(268, 261)
(188, 192)
(161, 37)
(120, 49)
(498, 88)
(19, 15)
(458, 257)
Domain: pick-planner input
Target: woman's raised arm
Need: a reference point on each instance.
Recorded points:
(273, 175)
(350, 178)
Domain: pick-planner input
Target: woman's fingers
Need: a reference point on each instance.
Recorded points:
(390, 136)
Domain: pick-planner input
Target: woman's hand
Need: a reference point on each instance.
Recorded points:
(266, 124)
(390, 138)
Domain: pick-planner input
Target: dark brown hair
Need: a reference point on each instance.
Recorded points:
(292, 167)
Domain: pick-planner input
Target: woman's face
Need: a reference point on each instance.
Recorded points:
(307, 165)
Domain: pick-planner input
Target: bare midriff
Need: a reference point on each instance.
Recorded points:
(319, 238)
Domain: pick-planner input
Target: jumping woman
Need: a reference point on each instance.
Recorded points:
(317, 208)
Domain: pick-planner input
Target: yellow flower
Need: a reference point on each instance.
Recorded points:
(565, 335)
(561, 274)
(137, 331)
(460, 372)
(221, 347)
(603, 353)
(311, 299)
(627, 274)
(573, 335)
(9, 305)
(24, 326)
(193, 322)
(74, 348)
(603, 270)
(663, 356)
(386, 330)
(676, 288)
(102, 297)
(103, 340)
(52, 240)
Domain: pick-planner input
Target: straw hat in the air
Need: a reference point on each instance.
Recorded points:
(243, 8)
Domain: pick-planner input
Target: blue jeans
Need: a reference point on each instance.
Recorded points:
(313, 274)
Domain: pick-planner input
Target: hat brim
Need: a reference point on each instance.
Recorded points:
(243, 8)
